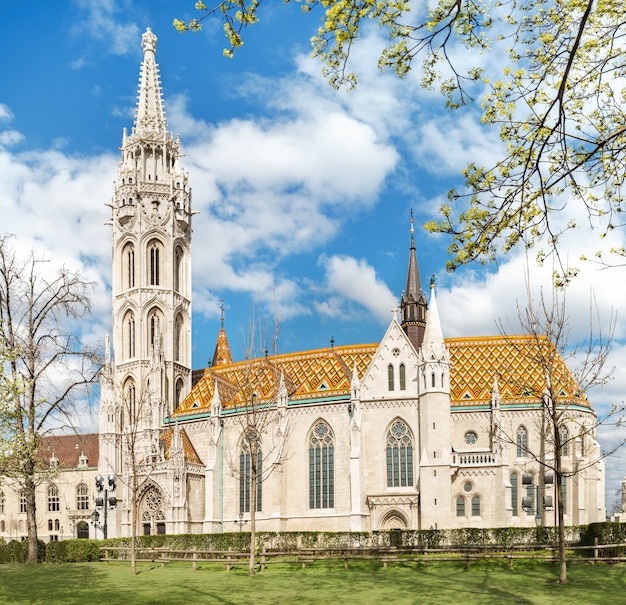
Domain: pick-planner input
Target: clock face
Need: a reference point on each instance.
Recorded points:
(471, 437)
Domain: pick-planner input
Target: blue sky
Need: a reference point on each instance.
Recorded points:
(304, 193)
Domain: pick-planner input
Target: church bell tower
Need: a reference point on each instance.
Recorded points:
(150, 368)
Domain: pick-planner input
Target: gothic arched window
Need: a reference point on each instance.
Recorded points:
(178, 335)
(131, 403)
(402, 377)
(178, 269)
(179, 391)
(249, 444)
(54, 503)
(154, 327)
(460, 506)
(155, 252)
(399, 455)
(390, 377)
(321, 466)
(128, 327)
(82, 497)
(475, 506)
(128, 267)
(522, 442)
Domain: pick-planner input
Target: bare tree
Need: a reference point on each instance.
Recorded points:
(560, 393)
(139, 441)
(261, 406)
(46, 373)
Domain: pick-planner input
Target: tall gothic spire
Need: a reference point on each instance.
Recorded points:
(150, 116)
(413, 305)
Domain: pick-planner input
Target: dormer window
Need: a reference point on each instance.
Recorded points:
(54, 462)
(83, 461)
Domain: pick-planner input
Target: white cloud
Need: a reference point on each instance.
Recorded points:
(352, 281)
(99, 20)
(6, 115)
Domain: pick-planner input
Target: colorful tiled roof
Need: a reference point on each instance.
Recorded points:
(190, 453)
(516, 361)
(327, 373)
(310, 375)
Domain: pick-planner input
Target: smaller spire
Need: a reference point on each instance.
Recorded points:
(150, 116)
(222, 355)
(433, 334)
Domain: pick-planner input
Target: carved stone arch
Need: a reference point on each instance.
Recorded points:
(129, 401)
(179, 393)
(127, 253)
(320, 421)
(129, 332)
(154, 327)
(180, 338)
(393, 519)
(152, 502)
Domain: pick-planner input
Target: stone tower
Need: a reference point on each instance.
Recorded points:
(149, 370)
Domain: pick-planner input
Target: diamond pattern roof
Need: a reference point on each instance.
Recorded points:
(327, 373)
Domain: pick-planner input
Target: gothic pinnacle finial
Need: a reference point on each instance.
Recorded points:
(148, 41)
(432, 281)
(412, 230)
(222, 309)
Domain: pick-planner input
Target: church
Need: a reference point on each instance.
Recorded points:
(417, 431)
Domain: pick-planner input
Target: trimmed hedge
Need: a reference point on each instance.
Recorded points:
(74, 551)
(607, 533)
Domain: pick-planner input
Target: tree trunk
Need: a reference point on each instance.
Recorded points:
(31, 520)
(253, 488)
(133, 531)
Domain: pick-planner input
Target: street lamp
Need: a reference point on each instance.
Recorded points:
(103, 501)
(527, 501)
(241, 521)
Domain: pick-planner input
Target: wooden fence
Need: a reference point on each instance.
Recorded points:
(385, 555)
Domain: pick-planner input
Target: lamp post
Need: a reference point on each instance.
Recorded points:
(103, 501)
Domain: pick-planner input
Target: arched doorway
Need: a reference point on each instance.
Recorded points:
(82, 530)
(394, 522)
(152, 516)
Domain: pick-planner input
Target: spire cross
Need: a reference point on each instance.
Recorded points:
(395, 312)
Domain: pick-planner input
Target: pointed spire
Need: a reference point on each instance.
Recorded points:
(150, 116)
(433, 334)
(222, 354)
(413, 286)
(413, 305)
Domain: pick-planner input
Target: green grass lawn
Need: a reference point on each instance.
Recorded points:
(364, 583)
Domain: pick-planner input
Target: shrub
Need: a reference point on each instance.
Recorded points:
(16, 551)
(80, 551)
(606, 533)
(56, 552)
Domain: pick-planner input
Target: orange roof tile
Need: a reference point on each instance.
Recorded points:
(327, 373)
(190, 452)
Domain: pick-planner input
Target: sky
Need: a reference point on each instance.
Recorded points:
(303, 193)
